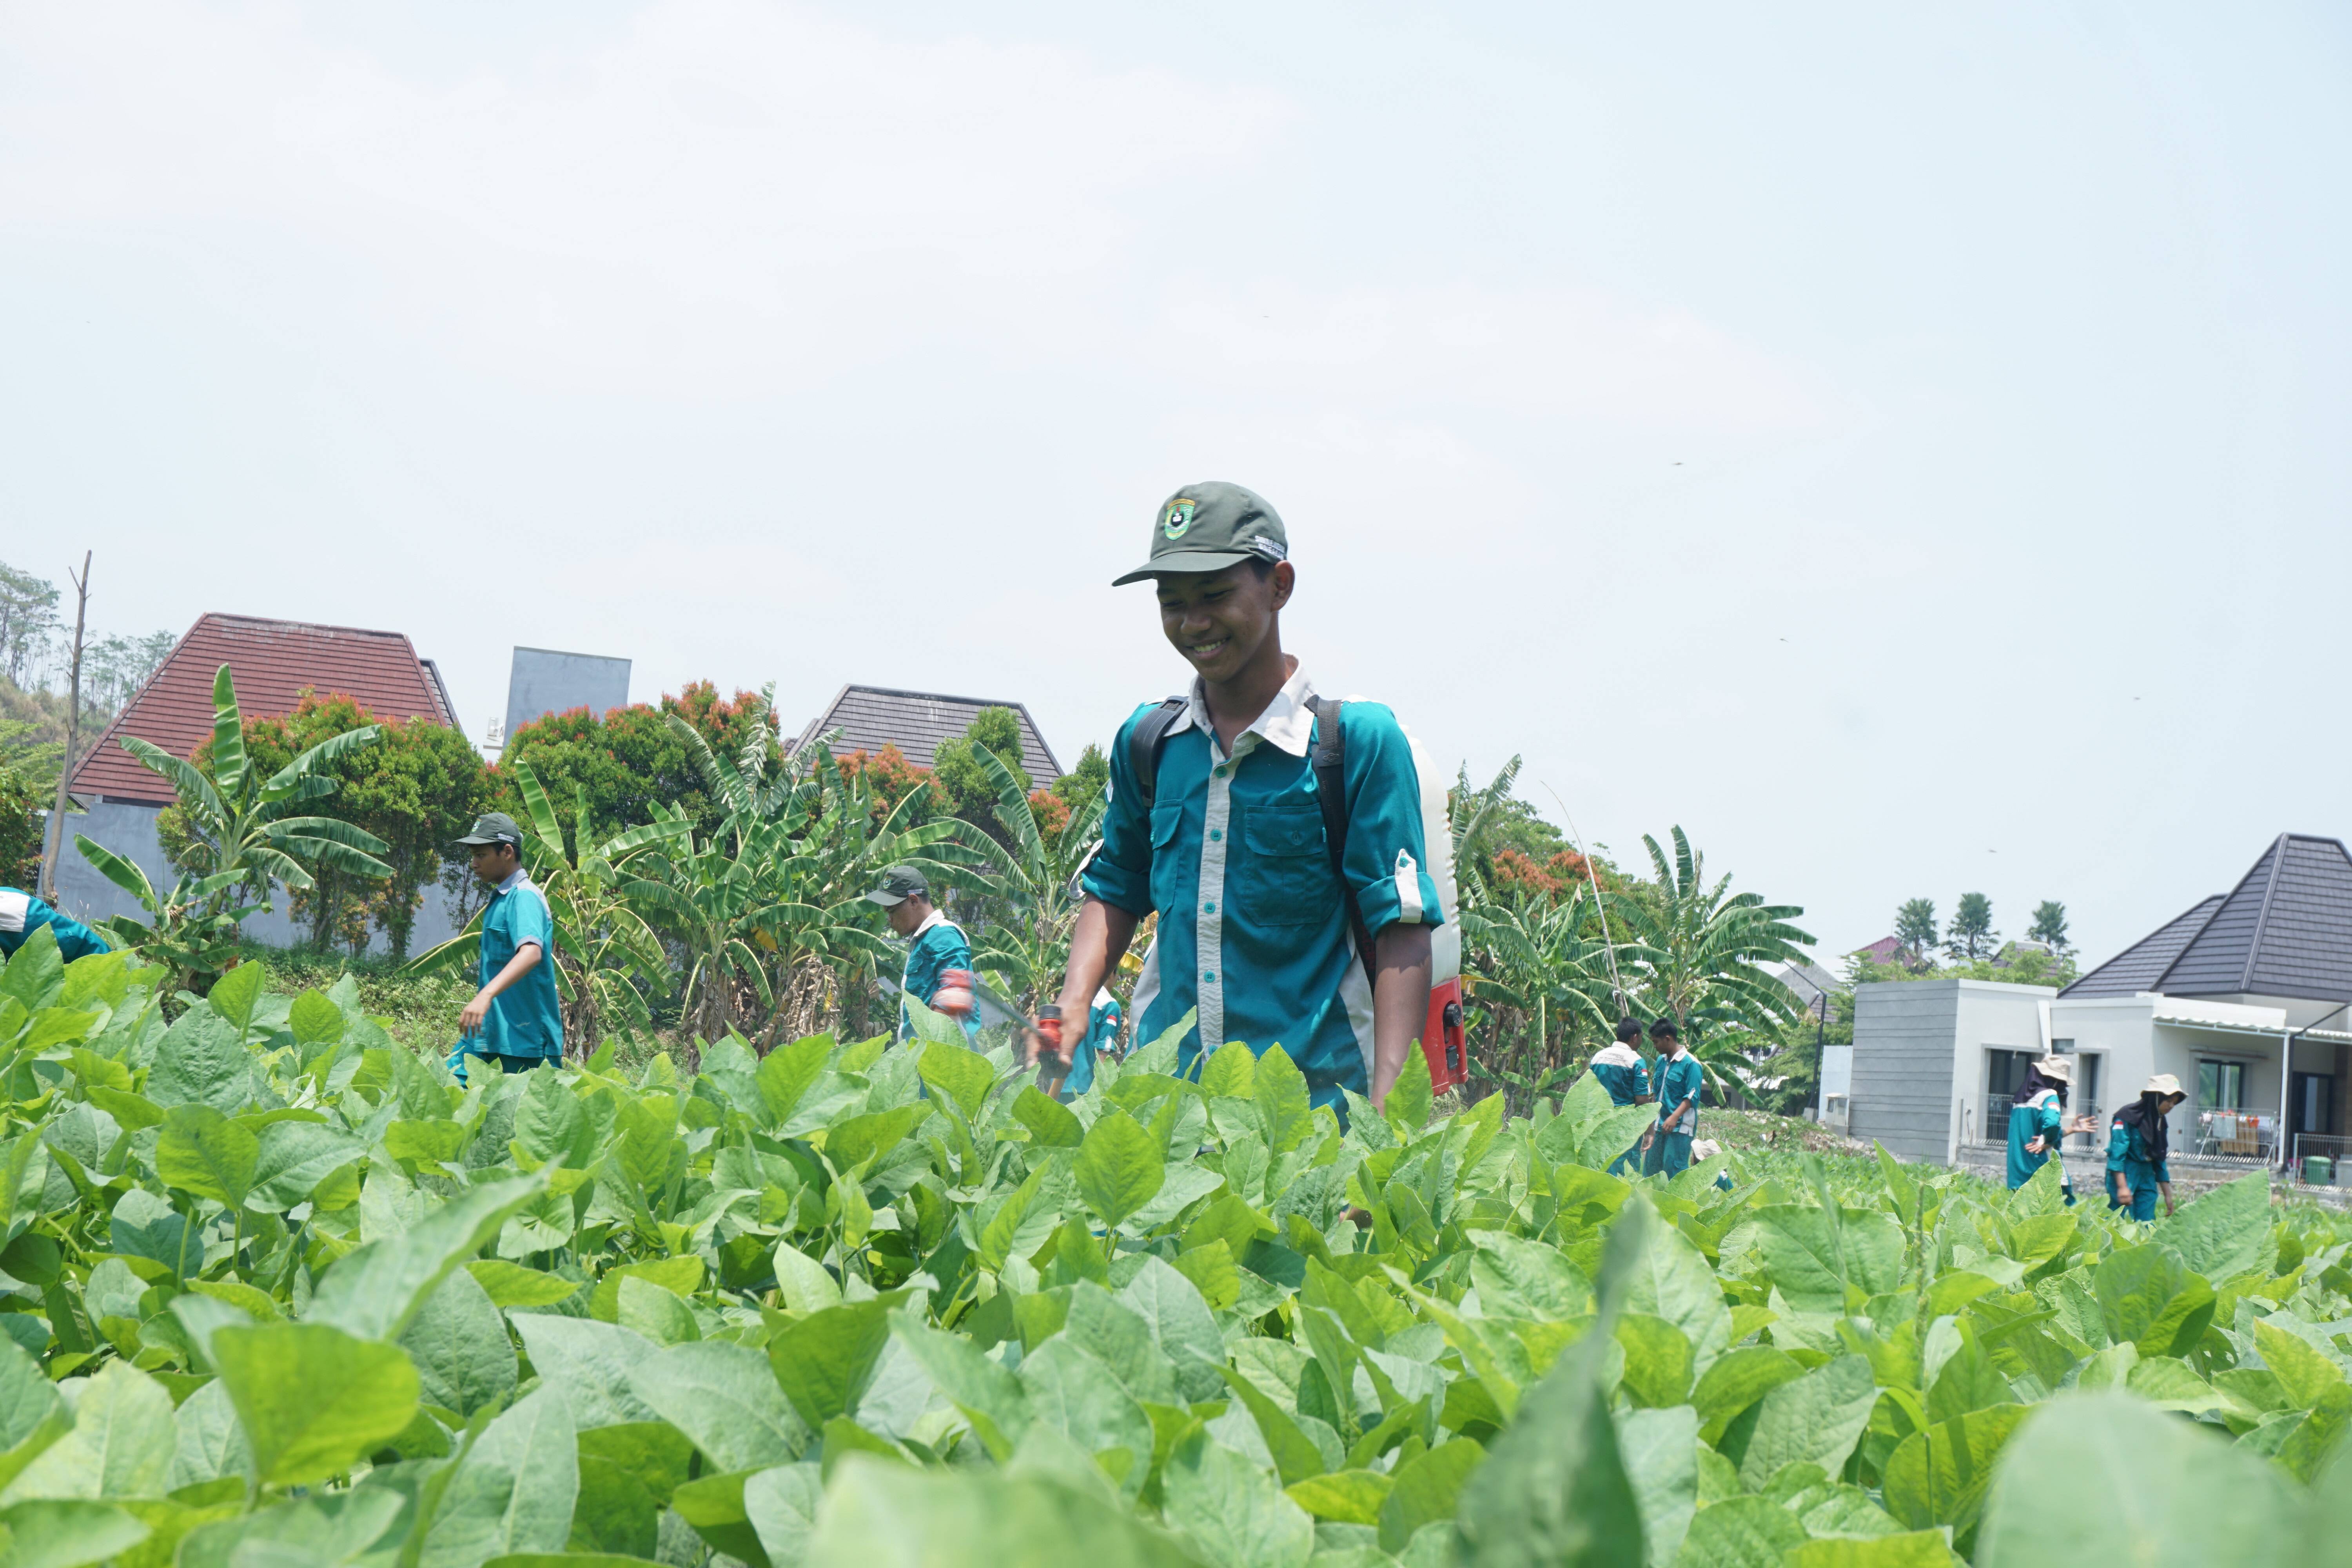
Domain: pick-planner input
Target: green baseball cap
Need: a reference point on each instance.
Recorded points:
(1209, 527)
(498, 828)
(899, 883)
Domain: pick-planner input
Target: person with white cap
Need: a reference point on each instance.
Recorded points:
(2038, 1123)
(2137, 1144)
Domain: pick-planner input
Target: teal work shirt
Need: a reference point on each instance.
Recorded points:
(2040, 1117)
(22, 914)
(1102, 1030)
(1231, 855)
(2127, 1152)
(938, 946)
(1680, 1081)
(525, 1019)
(1620, 1071)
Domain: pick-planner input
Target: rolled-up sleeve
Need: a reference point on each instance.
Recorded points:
(1119, 874)
(1388, 857)
(533, 923)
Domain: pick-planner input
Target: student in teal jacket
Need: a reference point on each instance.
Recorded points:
(516, 1019)
(935, 946)
(22, 914)
(2038, 1123)
(1619, 1069)
(2138, 1144)
(1680, 1082)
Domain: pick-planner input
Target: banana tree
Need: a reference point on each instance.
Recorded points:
(1027, 952)
(608, 958)
(1540, 967)
(245, 837)
(1703, 952)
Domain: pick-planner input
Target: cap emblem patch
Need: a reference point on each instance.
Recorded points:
(1177, 517)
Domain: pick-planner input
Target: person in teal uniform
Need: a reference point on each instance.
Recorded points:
(1620, 1069)
(1289, 913)
(2038, 1123)
(23, 913)
(516, 1019)
(1102, 1035)
(1680, 1082)
(936, 947)
(2137, 1145)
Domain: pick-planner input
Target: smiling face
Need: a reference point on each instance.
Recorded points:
(1220, 621)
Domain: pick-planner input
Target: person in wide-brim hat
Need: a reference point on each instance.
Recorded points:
(2139, 1139)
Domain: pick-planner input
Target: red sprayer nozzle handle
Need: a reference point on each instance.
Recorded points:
(1049, 1028)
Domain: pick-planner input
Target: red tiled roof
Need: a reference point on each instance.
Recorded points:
(273, 662)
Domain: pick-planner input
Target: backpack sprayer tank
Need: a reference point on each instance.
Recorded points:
(1441, 1037)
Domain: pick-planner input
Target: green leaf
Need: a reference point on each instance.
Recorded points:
(1230, 1070)
(1295, 1456)
(2305, 1374)
(1279, 1089)
(317, 1532)
(202, 1151)
(782, 1505)
(1738, 1379)
(2150, 1299)
(550, 1122)
(960, 1076)
(825, 1360)
(2225, 1233)
(1533, 1280)
(2104, 1478)
(512, 1285)
(1051, 1125)
(37, 974)
(1231, 1510)
(680, 1276)
(1815, 1420)
(786, 1073)
(593, 1362)
(1741, 1532)
(45, 1533)
(464, 1360)
(726, 1400)
(1119, 1166)
(1183, 1328)
(314, 1020)
(313, 1400)
(989, 1394)
(234, 997)
(1920, 1549)
(1556, 1491)
(1940, 1475)
(1672, 1279)
(877, 1513)
(1429, 1487)
(1411, 1097)
(375, 1291)
(120, 1445)
(1347, 1496)
(1657, 1361)
(291, 1160)
(1077, 1397)
(1659, 1449)
(200, 1061)
(513, 1491)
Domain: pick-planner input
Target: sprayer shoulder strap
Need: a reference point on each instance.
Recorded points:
(1329, 759)
(1143, 744)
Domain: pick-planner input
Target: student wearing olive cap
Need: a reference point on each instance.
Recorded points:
(1274, 929)
(516, 1019)
(936, 948)
(2137, 1145)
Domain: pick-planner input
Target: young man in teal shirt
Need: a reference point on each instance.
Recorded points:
(1225, 840)
(1619, 1069)
(516, 1018)
(935, 946)
(1680, 1082)
(23, 913)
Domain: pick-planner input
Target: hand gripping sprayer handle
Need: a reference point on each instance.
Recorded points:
(1049, 1030)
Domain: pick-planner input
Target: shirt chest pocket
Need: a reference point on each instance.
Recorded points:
(1283, 877)
(1175, 862)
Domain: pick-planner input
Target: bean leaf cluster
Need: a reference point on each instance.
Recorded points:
(276, 1292)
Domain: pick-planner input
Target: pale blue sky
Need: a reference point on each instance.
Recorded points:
(1906, 448)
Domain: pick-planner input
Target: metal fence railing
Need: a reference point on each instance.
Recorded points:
(1997, 1108)
(2335, 1150)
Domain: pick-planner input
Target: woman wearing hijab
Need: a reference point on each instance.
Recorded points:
(2137, 1147)
(2037, 1122)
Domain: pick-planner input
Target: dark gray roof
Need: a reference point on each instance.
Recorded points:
(872, 717)
(2138, 967)
(2285, 929)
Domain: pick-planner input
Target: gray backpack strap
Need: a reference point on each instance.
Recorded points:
(1329, 759)
(1143, 744)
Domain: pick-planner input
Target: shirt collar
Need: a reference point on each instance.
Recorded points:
(515, 878)
(1287, 722)
(936, 917)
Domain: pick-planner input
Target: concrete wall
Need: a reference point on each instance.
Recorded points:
(1902, 1072)
(1921, 1053)
(129, 830)
(544, 681)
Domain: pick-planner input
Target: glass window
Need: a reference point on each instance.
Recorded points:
(2222, 1085)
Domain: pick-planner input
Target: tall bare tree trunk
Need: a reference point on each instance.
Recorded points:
(56, 834)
